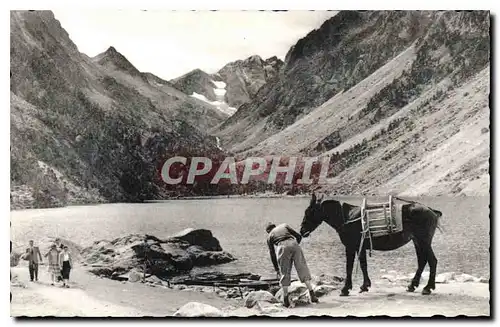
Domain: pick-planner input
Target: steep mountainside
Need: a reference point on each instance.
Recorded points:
(347, 48)
(244, 78)
(196, 81)
(160, 92)
(419, 124)
(235, 84)
(86, 130)
(204, 87)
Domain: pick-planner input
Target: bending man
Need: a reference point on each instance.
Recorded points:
(289, 253)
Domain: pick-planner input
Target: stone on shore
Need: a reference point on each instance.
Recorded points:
(322, 290)
(445, 278)
(267, 308)
(298, 294)
(134, 276)
(148, 254)
(196, 309)
(259, 296)
(464, 278)
(200, 237)
(324, 279)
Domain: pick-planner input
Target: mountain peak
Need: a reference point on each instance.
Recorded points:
(113, 59)
(254, 58)
(195, 73)
(111, 50)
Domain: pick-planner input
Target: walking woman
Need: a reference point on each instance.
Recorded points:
(54, 267)
(66, 262)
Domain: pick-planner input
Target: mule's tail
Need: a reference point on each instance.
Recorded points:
(438, 223)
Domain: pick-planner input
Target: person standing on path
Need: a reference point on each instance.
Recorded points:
(289, 253)
(54, 267)
(34, 259)
(66, 263)
(59, 247)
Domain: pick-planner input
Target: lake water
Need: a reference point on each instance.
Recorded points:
(239, 224)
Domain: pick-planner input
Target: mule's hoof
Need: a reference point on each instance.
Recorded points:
(426, 291)
(344, 293)
(363, 289)
(410, 289)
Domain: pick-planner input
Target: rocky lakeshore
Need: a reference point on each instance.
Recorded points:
(91, 296)
(136, 256)
(143, 275)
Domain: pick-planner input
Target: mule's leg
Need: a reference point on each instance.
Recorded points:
(364, 268)
(350, 254)
(431, 284)
(422, 261)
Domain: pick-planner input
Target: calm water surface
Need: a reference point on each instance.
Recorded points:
(239, 226)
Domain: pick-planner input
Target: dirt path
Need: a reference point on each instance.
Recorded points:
(91, 296)
(42, 299)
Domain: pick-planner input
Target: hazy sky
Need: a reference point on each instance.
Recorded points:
(171, 43)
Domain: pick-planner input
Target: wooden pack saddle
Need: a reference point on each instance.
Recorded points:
(379, 219)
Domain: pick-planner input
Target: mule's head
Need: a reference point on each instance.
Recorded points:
(313, 217)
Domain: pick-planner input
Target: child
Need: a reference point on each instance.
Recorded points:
(66, 262)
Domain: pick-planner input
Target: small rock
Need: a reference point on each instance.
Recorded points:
(233, 293)
(298, 294)
(445, 278)
(263, 296)
(268, 308)
(322, 290)
(196, 309)
(464, 278)
(327, 280)
(134, 276)
(154, 280)
(483, 280)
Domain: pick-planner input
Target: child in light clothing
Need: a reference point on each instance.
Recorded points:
(65, 262)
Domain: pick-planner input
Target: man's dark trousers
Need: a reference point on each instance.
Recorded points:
(33, 267)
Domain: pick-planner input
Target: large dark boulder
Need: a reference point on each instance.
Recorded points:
(150, 255)
(200, 237)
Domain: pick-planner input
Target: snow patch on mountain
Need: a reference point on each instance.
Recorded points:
(219, 103)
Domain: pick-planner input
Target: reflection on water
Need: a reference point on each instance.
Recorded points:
(239, 225)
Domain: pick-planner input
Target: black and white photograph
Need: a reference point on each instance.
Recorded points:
(250, 163)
